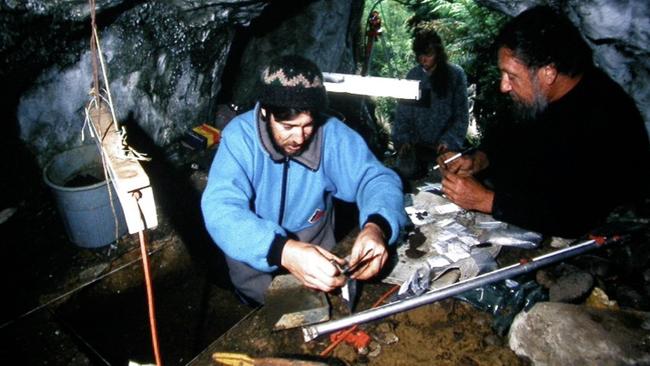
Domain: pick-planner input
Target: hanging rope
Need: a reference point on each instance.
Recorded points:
(97, 98)
(93, 51)
(127, 152)
(94, 103)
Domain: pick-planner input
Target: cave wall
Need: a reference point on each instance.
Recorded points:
(170, 62)
(328, 40)
(165, 59)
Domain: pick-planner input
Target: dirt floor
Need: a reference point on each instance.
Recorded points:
(449, 332)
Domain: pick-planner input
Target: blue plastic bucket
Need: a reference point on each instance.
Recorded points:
(76, 178)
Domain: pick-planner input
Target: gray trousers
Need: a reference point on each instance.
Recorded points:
(253, 283)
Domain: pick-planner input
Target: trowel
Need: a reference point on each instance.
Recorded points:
(289, 304)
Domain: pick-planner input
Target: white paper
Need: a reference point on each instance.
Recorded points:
(418, 217)
(447, 208)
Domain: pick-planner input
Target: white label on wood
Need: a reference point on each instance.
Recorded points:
(372, 86)
(128, 177)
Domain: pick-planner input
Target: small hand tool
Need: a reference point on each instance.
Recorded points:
(290, 304)
(349, 290)
(349, 293)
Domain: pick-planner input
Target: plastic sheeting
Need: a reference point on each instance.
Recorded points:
(444, 234)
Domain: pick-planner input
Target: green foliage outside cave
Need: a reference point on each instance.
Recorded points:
(467, 29)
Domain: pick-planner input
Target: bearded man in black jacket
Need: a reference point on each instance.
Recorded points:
(577, 149)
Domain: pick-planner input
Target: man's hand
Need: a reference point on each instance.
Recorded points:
(467, 192)
(312, 265)
(369, 248)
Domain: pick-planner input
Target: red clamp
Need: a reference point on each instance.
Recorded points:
(601, 240)
(357, 339)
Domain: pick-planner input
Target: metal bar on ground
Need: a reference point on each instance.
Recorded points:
(312, 332)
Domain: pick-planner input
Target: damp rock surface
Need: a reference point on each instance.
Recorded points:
(566, 334)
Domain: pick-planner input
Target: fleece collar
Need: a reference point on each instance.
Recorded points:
(309, 157)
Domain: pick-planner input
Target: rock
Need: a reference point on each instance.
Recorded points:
(565, 282)
(571, 287)
(545, 278)
(374, 349)
(557, 242)
(385, 334)
(594, 264)
(6, 214)
(628, 296)
(567, 334)
(598, 299)
(630, 260)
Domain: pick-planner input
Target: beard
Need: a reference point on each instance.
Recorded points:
(280, 146)
(529, 111)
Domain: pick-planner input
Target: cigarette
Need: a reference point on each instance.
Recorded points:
(449, 160)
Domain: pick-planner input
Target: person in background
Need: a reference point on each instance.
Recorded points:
(268, 201)
(577, 147)
(438, 121)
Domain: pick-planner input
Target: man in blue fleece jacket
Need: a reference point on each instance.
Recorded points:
(268, 202)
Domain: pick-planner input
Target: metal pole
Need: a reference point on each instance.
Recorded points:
(311, 332)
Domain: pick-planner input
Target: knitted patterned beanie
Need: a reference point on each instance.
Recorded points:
(295, 82)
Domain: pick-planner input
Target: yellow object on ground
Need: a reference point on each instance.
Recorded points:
(202, 137)
(598, 299)
(240, 359)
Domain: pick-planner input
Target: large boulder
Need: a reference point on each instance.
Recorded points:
(564, 334)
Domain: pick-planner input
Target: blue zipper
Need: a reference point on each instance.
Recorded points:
(285, 173)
